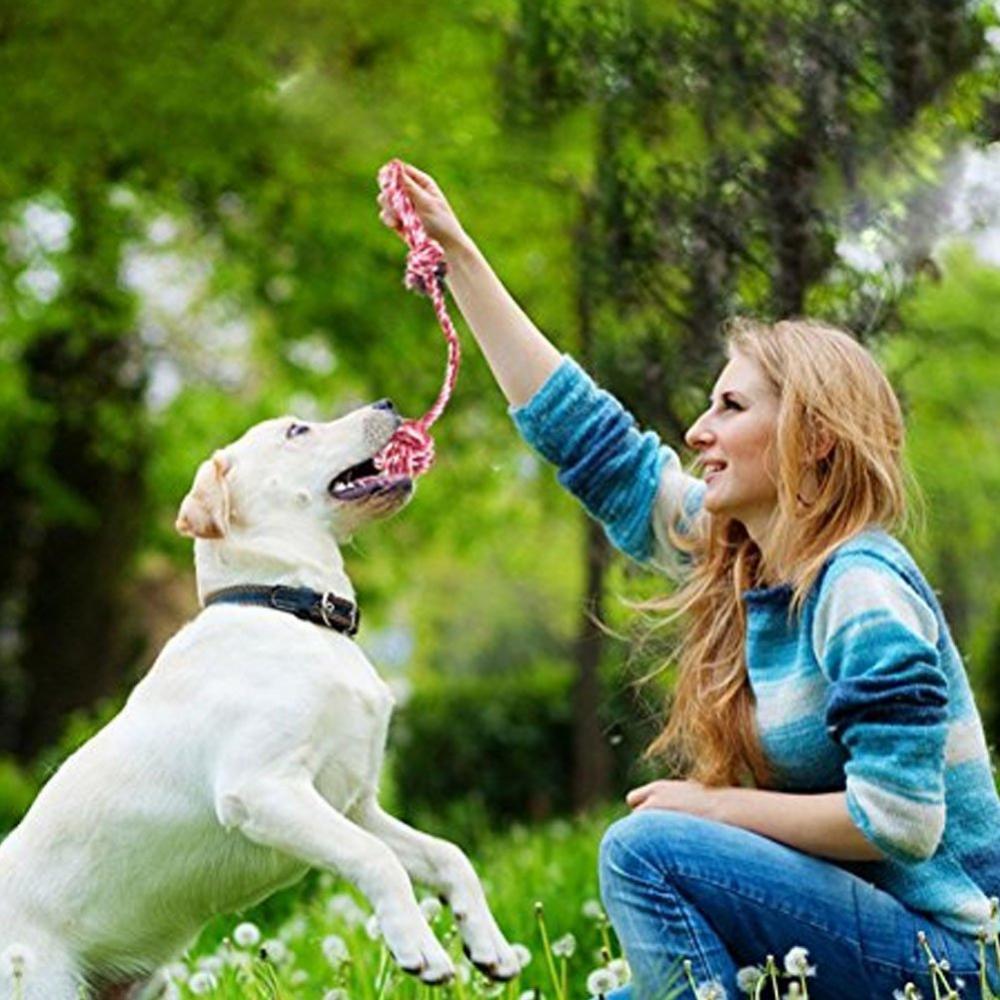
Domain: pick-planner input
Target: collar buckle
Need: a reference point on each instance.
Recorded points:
(338, 613)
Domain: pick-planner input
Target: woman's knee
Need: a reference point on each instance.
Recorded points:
(649, 843)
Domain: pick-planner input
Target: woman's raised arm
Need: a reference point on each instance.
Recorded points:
(520, 356)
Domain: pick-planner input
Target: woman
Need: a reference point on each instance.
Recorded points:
(838, 792)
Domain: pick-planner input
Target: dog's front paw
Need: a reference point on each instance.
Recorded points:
(416, 949)
(499, 962)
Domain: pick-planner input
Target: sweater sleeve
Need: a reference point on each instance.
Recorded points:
(875, 639)
(624, 477)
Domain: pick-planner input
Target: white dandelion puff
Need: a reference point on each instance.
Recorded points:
(335, 949)
(592, 910)
(620, 968)
(601, 982)
(294, 928)
(202, 982)
(430, 907)
(372, 928)
(246, 935)
(211, 963)
(748, 977)
(343, 906)
(710, 990)
(564, 946)
(275, 951)
(797, 962)
(177, 972)
(336, 994)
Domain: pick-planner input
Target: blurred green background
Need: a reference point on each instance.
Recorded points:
(189, 242)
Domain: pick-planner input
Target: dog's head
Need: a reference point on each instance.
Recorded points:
(287, 470)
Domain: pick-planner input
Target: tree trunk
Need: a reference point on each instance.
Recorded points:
(591, 752)
(76, 640)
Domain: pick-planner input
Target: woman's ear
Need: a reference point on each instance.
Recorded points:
(820, 441)
(204, 512)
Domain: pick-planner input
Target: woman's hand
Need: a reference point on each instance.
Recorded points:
(430, 204)
(682, 796)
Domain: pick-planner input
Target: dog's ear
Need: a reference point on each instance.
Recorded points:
(205, 510)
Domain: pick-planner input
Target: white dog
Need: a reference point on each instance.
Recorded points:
(249, 752)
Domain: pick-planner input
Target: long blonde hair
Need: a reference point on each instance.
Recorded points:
(838, 456)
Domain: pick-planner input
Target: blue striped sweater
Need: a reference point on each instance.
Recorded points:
(864, 691)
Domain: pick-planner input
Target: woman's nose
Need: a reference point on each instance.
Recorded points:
(698, 434)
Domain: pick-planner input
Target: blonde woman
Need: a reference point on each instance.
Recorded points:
(838, 794)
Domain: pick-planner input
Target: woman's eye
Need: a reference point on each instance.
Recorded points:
(295, 430)
(731, 404)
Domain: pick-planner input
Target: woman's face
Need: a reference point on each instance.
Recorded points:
(735, 439)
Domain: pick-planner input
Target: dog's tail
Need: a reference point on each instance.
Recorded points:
(31, 973)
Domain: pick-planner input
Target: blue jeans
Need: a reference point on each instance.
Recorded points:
(679, 886)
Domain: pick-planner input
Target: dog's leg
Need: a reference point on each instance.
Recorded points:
(442, 866)
(292, 817)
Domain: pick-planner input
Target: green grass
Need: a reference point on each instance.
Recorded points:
(324, 946)
(555, 864)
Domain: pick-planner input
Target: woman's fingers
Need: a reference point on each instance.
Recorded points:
(638, 795)
(419, 177)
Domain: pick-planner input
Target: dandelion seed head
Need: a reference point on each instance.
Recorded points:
(430, 907)
(275, 951)
(620, 968)
(336, 994)
(246, 935)
(202, 982)
(294, 928)
(298, 977)
(601, 982)
(748, 977)
(564, 947)
(345, 908)
(710, 990)
(592, 910)
(797, 962)
(177, 972)
(372, 928)
(335, 949)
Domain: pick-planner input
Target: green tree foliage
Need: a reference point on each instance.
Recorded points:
(636, 171)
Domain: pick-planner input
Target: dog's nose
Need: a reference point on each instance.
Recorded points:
(384, 404)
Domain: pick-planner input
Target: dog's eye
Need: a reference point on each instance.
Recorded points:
(294, 430)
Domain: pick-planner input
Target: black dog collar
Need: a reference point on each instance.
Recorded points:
(326, 609)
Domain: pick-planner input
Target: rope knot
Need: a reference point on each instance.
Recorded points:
(409, 453)
(424, 266)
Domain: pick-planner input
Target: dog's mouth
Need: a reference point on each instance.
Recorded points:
(365, 480)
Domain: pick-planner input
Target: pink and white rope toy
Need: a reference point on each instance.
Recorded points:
(411, 450)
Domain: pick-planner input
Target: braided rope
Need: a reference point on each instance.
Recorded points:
(411, 450)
